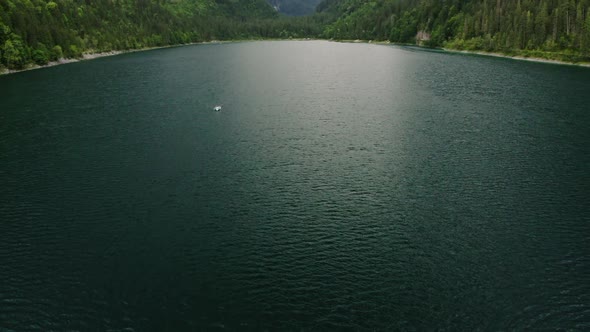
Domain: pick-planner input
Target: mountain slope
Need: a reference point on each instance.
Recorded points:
(38, 30)
(295, 7)
(530, 27)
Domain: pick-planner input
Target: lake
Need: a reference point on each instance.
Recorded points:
(342, 187)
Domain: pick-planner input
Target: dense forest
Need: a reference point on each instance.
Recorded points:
(39, 31)
(557, 29)
(295, 7)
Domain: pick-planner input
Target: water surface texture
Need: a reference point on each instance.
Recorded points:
(342, 187)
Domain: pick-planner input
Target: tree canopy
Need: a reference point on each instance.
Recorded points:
(38, 31)
(530, 27)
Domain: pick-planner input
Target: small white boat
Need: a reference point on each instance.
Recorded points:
(217, 108)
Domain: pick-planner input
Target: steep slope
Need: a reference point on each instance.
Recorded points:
(38, 30)
(529, 27)
(295, 7)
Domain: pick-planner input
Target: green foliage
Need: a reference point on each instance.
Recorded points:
(295, 7)
(10, 55)
(51, 6)
(40, 55)
(585, 40)
(479, 25)
(38, 31)
(56, 53)
(74, 52)
(13, 53)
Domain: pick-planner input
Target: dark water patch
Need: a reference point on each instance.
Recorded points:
(342, 186)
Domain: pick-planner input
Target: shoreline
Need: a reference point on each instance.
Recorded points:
(91, 55)
(63, 61)
(97, 55)
(481, 53)
(518, 57)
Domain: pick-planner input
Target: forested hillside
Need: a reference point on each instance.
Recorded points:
(530, 27)
(295, 7)
(38, 31)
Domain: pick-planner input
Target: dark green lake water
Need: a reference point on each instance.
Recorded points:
(342, 187)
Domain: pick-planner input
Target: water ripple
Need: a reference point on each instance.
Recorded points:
(378, 188)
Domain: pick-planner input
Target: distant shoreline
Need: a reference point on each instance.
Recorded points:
(90, 56)
(519, 57)
(450, 50)
(63, 61)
